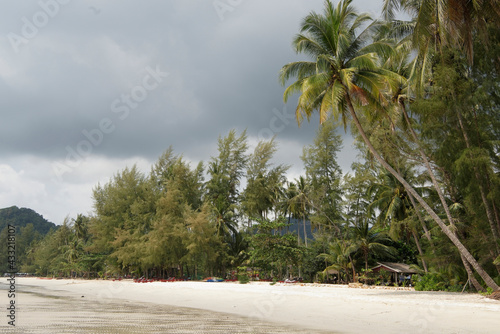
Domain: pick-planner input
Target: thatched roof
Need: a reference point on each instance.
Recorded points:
(400, 268)
(331, 272)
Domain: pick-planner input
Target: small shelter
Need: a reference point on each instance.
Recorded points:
(401, 272)
(331, 276)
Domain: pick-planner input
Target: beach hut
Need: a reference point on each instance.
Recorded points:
(401, 272)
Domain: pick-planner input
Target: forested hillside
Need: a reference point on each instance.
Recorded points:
(20, 217)
(30, 227)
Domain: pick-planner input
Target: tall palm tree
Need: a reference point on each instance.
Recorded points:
(397, 208)
(453, 23)
(369, 241)
(300, 203)
(401, 95)
(345, 72)
(80, 226)
(339, 255)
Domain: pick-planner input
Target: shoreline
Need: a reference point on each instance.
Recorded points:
(317, 307)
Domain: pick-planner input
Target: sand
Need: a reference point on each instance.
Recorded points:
(79, 306)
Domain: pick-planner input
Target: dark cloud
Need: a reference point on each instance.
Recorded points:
(63, 79)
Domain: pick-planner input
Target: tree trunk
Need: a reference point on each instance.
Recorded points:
(470, 276)
(497, 217)
(305, 233)
(415, 237)
(461, 248)
(464, 259)
(298, 232)
(353, 269)
(421, 220)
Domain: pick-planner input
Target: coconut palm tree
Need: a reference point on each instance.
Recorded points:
(300, 203)
(80, 227)
(401, 95)
(397, 208)
(452, 23)
(369, 241)
(339, 255)
(345, 72)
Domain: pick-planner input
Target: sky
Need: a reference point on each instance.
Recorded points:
(89, 87)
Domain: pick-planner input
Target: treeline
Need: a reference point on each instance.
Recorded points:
(423, 103)
(173, 222)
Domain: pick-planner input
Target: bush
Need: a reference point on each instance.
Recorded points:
(429, 282)
(243, 279)
(434, 282)
(488, 292)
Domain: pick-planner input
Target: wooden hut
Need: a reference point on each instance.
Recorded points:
(401, 272)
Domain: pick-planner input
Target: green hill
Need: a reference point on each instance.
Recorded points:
(20, 217)
(30, 227)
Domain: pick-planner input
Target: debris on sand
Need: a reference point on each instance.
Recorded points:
(495, 295)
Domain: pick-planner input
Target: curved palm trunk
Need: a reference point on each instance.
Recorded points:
(466, 263)
(422, 221)
(461, 248)
(415, 237)
(467, 266)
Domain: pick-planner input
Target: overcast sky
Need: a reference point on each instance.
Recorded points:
(89, 87)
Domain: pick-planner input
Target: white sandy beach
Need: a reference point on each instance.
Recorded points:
(306, 308)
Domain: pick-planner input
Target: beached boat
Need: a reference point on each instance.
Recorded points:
(213, 279)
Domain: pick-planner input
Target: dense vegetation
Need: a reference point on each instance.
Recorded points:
(30, 228)
(21, 217)
(421, 97)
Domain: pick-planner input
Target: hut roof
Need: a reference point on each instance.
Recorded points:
(331, 272)
(400, 268)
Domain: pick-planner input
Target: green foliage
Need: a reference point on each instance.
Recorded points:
(344, 66)
(429, 282)
(357, 198)
(299, 203)
(324, 176)
(371, 242)
(21, 217)
(243, 276)
(225, 173)
(488, 292)
(339, 258)
(202, 243)
(54, 255)
(264, 182)
(437, 282)
(312, 263)
(271, 249)
(30, 228)
(122, 206)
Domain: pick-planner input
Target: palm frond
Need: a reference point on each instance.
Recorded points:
(298, 69)
(292, 89)
(308, 45)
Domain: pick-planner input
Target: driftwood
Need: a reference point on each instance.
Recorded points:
(495, 295)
